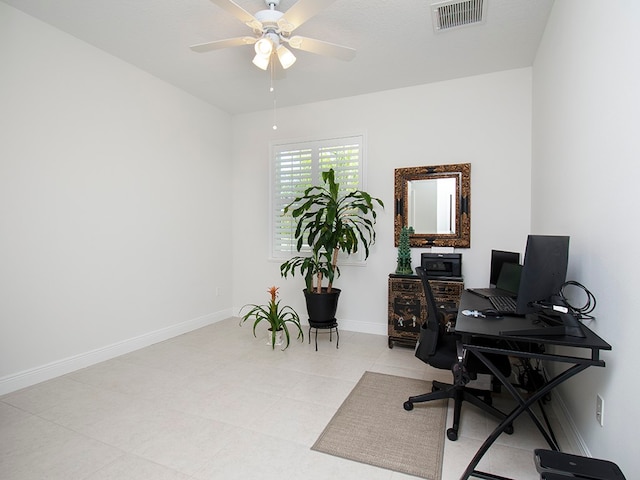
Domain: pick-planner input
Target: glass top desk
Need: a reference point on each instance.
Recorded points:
(525, 346)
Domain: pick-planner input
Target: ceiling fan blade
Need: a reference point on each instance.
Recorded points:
(218, 44)
(300, 12)
(240, 13)
(322, 48)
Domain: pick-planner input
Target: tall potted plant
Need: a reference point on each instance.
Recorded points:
(329, 222)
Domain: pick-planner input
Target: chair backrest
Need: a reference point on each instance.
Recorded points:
(432, 311)
(430, 330)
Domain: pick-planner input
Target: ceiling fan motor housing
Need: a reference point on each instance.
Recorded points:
(272, 21)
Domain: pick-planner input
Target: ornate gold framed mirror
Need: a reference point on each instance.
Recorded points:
(435, 201)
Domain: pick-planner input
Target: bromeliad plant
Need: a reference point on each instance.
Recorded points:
(277, 317)
(329, 222)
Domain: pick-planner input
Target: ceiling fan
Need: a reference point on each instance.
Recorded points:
(272, 32)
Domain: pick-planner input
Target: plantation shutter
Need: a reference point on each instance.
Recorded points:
(298, 166)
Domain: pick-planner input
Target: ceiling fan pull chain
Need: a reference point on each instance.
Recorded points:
(275, 125)
(273, 92)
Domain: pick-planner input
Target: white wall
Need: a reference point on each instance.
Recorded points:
(484, 120)
(585, 182)
(114, 230)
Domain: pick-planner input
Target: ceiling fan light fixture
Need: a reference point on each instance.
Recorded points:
(264, 47)
(286, 57)
(261, 61)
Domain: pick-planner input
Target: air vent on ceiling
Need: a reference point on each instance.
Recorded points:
(457, 13)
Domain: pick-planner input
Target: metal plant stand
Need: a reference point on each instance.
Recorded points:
(330, 325)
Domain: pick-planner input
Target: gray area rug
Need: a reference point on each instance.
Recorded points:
(371, 426)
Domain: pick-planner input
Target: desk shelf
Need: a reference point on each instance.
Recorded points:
(407, 306)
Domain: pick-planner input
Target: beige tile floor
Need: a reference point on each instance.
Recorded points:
(217, 403)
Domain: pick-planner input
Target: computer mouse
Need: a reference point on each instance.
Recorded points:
(490, 312)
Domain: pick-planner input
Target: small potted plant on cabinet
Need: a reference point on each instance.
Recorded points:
(277, 317)
(329, 221)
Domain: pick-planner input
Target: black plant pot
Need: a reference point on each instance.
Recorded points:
(322, 307)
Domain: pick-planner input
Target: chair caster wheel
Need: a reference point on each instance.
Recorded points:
(408, 406)
(452, 435)
(509, 430)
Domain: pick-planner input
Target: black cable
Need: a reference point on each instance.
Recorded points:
(590, 304)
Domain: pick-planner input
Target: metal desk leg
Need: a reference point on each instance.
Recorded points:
(525, 405)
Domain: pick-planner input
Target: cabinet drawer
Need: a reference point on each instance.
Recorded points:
(407, 306)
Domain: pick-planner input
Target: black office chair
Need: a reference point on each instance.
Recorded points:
(444, 350)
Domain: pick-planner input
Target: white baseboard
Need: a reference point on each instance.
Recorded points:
(374, 328)
(362, 327)
(26, 378)
(577, 444)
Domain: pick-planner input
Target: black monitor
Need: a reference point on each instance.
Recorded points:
(544, 271)
(499, 257)
(543, 274)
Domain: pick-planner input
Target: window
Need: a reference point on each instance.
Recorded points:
(298, 166)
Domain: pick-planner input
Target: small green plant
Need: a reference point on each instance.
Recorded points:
(276, 316)
(404, 252)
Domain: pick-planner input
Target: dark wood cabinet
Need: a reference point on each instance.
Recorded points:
(407, 306)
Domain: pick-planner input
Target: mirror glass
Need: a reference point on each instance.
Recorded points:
(434, 201)
(431, 207)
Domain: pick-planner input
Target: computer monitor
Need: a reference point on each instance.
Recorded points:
(543, 274)
(544, 271)
(498, 257)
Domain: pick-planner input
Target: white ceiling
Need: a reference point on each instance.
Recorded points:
(395, 42)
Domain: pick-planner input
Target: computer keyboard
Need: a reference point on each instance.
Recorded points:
(503, 304)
